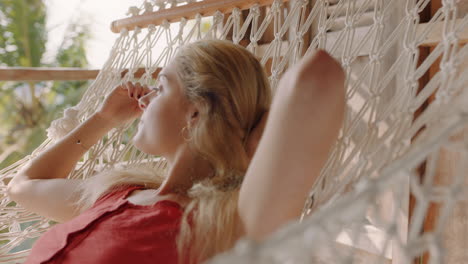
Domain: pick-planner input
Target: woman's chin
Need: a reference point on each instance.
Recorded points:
(136, 142)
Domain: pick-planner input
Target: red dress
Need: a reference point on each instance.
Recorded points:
(113, 231)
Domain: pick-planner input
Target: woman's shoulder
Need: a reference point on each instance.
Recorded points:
(139, 196)
(118, 192)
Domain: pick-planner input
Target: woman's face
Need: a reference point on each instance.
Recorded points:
(166, 111)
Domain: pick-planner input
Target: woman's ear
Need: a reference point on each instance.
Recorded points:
(192, 115)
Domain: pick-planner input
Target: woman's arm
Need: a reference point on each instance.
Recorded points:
(303, 124)
(41, 185)
(61, 158)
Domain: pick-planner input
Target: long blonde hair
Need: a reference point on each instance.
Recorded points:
(232, 92)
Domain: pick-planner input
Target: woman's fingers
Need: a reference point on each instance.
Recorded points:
(136, 90)
(142, 91)
(146, 90)
(129, 87)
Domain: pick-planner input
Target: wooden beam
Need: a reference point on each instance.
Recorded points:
(45, 74)
(435, 34)
(188, 11)
(332, 8)
(433, 38)
(57, 74)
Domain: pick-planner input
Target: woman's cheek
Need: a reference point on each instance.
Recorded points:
(145, 136)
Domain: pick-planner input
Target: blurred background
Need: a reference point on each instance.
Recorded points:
(48, 33)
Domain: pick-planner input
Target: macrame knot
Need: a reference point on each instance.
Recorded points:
(255, 10)
(448, 4)
(133, 11)
(218, 17)
(413, 15)
(299, 37)
(151, 28)
(450, 38)
(322, 30)
(253, 42)
(276, 5)
(148, 7)
(278, 36)
(411, 82)
(123, 32)
(136, 31)
(236, 12)
(161, 4)
(375, 57)
(165, 24)
(346, 61)
(61, 127)
(349, 23)
(183, 22)
(378, 21)
(411, 48)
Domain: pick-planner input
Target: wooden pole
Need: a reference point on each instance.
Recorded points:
(45, 74)
(57, 74)
(189, 11)
(455, 234)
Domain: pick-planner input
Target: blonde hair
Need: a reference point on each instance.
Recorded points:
(231, 90)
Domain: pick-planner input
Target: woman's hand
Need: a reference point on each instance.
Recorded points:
(121, 105)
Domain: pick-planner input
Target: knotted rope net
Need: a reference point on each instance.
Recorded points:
(401, 155)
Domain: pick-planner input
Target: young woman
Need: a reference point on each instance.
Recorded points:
(205, 118)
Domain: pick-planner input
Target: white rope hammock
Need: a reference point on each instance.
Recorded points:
(358, 209)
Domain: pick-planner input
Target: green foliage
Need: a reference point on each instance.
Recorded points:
(73, 47)
(22, 32)
(28, 108)
(71, 54)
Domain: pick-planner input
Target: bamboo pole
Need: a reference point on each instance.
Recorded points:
(57, 74)
(434, 36)
(189, 11)
(45, 74)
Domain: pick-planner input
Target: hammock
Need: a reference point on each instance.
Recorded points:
(372, 203)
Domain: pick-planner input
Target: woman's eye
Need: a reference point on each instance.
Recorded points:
(157, 88)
